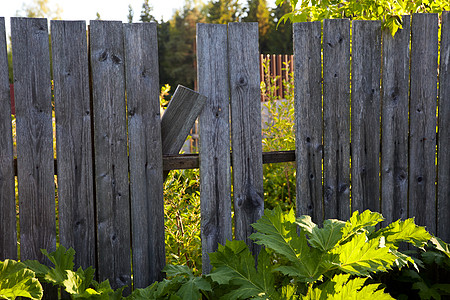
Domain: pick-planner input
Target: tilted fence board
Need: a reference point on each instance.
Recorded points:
(365, 115)
(32, 90)
(146, 170)
(308, 119)
(110, 145)
(422, 144)
(8, 236)
(443, 220)
(179, 118)
(245, 128)
(394, 120)
(336, 111)
(73, 140)
(214, 146)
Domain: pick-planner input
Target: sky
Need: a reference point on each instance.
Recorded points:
(116, 10)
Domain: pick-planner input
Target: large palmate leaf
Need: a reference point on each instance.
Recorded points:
(16, 280)
(322, 238)
(277, 230)
(342, 287)
(404, 231)
(364, 221)
(61, 258)
(233, 264)
(361, 256)
(191, 286)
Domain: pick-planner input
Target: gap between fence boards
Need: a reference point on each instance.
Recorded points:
(191, 161)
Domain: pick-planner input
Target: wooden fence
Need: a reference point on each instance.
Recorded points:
(110, 156)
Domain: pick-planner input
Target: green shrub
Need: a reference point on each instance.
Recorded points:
(278, 135)
(299, 260)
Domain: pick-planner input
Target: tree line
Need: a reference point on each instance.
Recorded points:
(176, 37)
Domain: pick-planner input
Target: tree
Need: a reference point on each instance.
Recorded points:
(257, 11)
(389, 11)
(280, 37)
(223, 11)
(40, 9)
(130, 14)
(179, 57)
(146, 13)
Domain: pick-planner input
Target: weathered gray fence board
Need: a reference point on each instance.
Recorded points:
(214, 130)
(308, 118)
(32, 89)
(8, 238)
(336, 101)
(443, 220)
(179, 117)
(365, 115)
(246, 128)
(144, 134)
(422, 145)
(394, 120)
(73, 140)
(110, 144)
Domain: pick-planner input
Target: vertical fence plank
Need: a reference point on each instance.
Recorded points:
(246, 128)
(394, 120)
(32, 90)
(422, 145)
(8, 238)
(73, 140)
(365, 115)
(110, 144)
(336, 102)
(214, 130)
(308, 118)
(144, 132)
(443, 219)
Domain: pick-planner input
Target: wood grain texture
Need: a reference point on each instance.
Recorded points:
(308, 118)
(365, 115)
(144, 134)
(8, 238)
(422, 144)
(336, 111)
(394, 120)
(179, 117)
(110, 144)
(73, 140)
(443, 220)
(214, 131)
(32, 89)
(248, 191)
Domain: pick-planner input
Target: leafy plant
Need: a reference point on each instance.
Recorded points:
(16, 280)
(278, 135)
(299, 260)
(389, 11)
(182, 219)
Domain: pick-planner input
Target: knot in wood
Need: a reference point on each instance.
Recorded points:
(242, 81)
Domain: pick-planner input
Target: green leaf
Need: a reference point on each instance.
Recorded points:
(191, 289)
(39, 269)
(341, 287)
(233, 264)
(361, 222)
(278, 232)
(322, 238)
(16, 280)
(361, 257)
(441, 245)
(61, 258)
(404, 231)
(78, 283)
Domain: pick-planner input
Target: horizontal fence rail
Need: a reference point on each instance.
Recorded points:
(372, 118)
